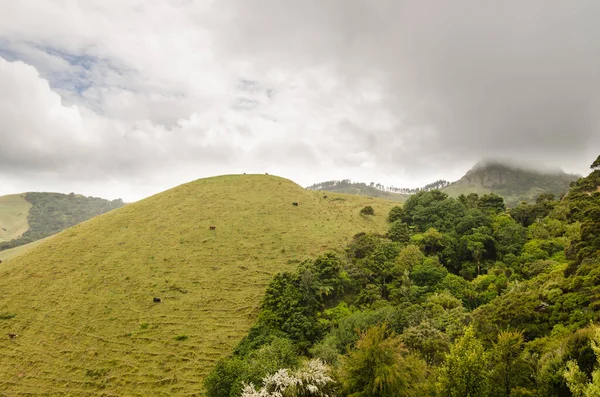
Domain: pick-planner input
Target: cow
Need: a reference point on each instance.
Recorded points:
(295, 204)
(156, 300)
(324, 197)
(11, 335)
(212, 227)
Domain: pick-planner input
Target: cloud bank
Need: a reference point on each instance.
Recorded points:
(127, 98)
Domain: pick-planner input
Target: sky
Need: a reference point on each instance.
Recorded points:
(127, 98)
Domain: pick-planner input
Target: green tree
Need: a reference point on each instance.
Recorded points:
(465, 371)
(397, 213)
(510, 367)
(478, 243)
(596, 164)
(381, 367)
(577, 380)
(399, 232)
(492, 203)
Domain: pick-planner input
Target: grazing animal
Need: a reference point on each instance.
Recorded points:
(156, 300)
(11, 335)
(0, 261)
(295, 204)
(324, 197)
(212, 227)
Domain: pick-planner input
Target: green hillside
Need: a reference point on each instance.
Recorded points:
(513, 183)
(20, 250)
(13, 216)
(82, 305)
(359, 188)
(47, 214)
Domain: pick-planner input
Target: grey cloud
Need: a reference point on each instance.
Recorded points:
(491, 78)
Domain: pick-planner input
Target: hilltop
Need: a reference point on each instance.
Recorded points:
(374, 189)
(515, 184)
(82, 305)
(28, 217)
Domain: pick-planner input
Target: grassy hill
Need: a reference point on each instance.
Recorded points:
(20, 250)
(13, 216)
(359, 188)
(513, 183)
(29, 217)
(82, 301)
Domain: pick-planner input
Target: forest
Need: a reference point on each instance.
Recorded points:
(51, 213)
(461, 298)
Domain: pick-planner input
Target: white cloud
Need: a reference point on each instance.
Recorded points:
(126, 98)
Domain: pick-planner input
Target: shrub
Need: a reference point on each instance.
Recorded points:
(367, 210)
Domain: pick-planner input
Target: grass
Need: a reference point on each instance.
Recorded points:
(13, 216)
(20, 250)
(82, 300)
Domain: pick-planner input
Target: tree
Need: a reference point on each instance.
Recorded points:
(596, 164)
(492, 203)
(464, 373)
(381, 367)
(396, 213)
(399, 232)
(510, 368)
(477, 244)
(577, 380)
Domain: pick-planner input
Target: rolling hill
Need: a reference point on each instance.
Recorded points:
(359, 188)
(81, 302)
(13, 216)
(515, 184)
(28, 217)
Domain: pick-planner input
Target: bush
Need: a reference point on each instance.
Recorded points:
(367, 210)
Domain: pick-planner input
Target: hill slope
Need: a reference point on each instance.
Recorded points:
(13, 216)
(81, 302)
(512, 183)
(359, 188)
(28, 217)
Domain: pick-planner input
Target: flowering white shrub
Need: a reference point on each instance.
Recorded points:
(310, 380)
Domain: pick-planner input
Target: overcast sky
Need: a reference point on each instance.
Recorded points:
(125, 98)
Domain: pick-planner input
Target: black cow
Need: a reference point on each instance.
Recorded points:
(157, 300)
(295, 204)
(212, 227)
(11, 335)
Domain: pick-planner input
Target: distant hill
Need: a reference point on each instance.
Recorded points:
(28, 217)
(515, 184)
(374, 189)
(362, 189)
(81, 302)
(14, 210)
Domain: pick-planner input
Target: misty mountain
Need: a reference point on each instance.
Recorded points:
(514, 183)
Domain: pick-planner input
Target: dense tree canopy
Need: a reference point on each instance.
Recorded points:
(460, 298)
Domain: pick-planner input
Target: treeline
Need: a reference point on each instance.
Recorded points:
(51, 213)
(460, 298)
(348, 184)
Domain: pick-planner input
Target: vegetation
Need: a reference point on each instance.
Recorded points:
(83, 299)
(367, 210)
(48, 213)
(514, 184)
(475, 301)
(348, 187)
(13, 216)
